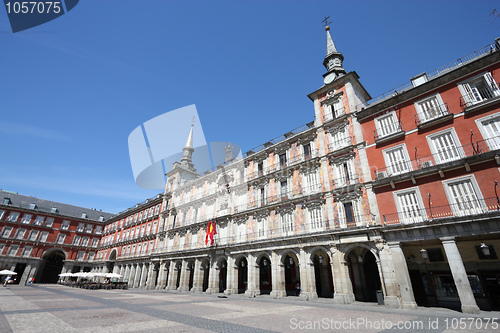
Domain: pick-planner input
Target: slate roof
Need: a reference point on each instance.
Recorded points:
(45, 206)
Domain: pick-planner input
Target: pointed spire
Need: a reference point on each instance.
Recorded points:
(330, 45)
(189, 142)
(187, 152)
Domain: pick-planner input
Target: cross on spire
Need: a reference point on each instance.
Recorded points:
(326, 22)
(193, 121)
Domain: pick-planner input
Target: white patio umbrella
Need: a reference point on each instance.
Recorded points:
(113, 275)
(7, 272)
(65, 274)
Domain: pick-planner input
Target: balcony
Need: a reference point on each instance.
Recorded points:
(465, 208)
(389, 132)
(343, 184)
(338, 146)
(479, 98)
(433, 116)
(337, 114)
(447, 157)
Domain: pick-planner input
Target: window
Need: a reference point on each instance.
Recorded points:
(464, 196)
(283, 160)
(155, 224)
(157, 209)
(2, 247)
(397, 160)
(89, 228)
(430, 108)
(20, 233)
(43, 236)
(139, 246)
(143, 228)
(39, 220)
(95, 241)
(387, 124)
(490, 129)
(334, 109)
(6, 201)
(33, 235)
(13, 217)
(148, 229)
(54, 210)
(445, 146)
(151, 245)
(26, 218)
(409, 205)
(435, 254)
(101, 218)
(344, 174)
(6, 232)
(84, 215)
(260, 227)
(77, 239)
(27, 251)
(80, 256)
(49, 222)
(80, 227)
(2, 213)
(85, 241)
(98, 229)
(284, 190)
(316, 218)
(91, 256)
(307, 151)
(65, 225)
(479, 89)
(349, 213)
(339, 138)
(312, 182)
(13, 249)
(60, 238)
(287, 222)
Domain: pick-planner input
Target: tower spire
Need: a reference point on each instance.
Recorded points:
(333, 59)
(187, 151)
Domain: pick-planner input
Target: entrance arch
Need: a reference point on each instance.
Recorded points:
(265, 282)
(178, 269)
(364, 274)
(190, 267)
(323, 274)
(222, 275)
(53, 262)
(242, 275)
(205, 265)
(110, 264)
(292, 274)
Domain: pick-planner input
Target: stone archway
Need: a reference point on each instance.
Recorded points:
(242, 265)
(292, 274)
(110, 264)
(178, 270)
(364, 274)
(323, 274)
(265, 277)
(53, 262)
(205, 265)
(222, 275)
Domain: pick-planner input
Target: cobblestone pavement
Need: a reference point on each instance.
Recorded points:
(54, 308)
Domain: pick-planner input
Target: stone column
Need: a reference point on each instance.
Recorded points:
(213, 279)
(172, 276)
(162, 278)
(126, 276)
(184, 281)
(232, 277)
(144, 275)
(459, 273)
(402, 275)
(152, 274)
(197, 277)
(131, 275)
(307, 278)
(387, 274)
(253, 288)
(277, 276)
(122, 272)
(137, 278)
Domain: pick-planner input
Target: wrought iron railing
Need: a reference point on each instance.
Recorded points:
(479, 95)
(464, 208)
(438, 111)
(443, 156)
(386, 131)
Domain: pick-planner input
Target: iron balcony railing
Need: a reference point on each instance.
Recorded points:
(476, 96)
(339, 144)
(345, 181)
(436, 112)
(443, 156)
(334, 114)
(387, 131)
(458, 209)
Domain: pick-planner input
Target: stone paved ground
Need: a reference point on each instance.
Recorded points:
(54, 308)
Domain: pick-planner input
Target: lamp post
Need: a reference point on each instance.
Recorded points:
(485, 249)
(423, 253)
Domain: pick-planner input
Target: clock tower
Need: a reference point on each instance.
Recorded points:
(333, 60)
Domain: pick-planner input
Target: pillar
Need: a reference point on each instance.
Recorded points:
(213, 279)
(152, 274)
(307, 278)
(144, 275)
(184, 281)
(162, 278)
(131, 278)
(253, 288)
(277, 276)
(232, 277)
(172, 276)
(197, 277)
(402, 276)
(457, 267)
(137, 278)
(126, 276)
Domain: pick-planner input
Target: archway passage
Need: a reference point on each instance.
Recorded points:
(292, 276)
(323, 275)
(265, 276)
(178, 278)
(191, 274)
(222, 276)
(364, 274)
(53, 264)
(206, 274)
(242, 276)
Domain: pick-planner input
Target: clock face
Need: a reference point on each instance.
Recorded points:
(329, 78)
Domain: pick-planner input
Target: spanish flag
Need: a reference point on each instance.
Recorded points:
(210, 233)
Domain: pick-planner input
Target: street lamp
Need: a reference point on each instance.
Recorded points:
(320, 259)
(360, 258)
(424, 254)
(485, 249)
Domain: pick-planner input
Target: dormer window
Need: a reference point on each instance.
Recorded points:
(6, 201)
(84, 215)
(54, 210)
(101, 218)
(33, 206)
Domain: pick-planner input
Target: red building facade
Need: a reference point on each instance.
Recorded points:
(433, 147)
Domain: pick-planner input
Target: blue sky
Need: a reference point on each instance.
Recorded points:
(73, 89)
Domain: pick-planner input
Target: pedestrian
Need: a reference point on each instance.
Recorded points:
(7, 279)
(297, 289)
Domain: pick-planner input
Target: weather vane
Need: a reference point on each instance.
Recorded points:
(193, 121)
(325, 21)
